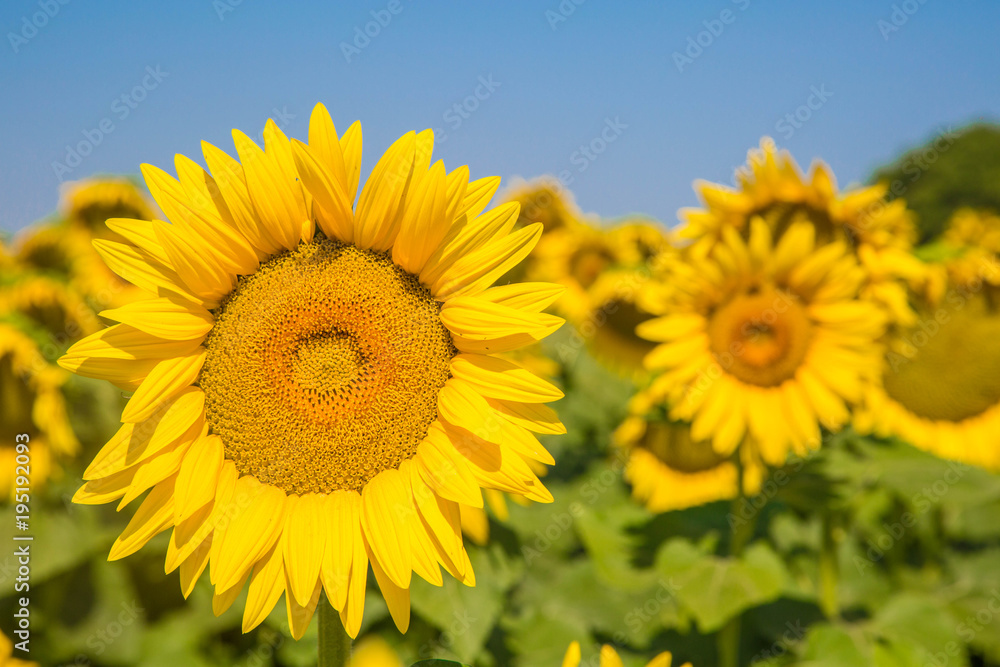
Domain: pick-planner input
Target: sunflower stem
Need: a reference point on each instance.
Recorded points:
(828, 569)
(334, 642)
(728, 638)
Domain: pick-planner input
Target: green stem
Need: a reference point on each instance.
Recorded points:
(828, 569)
(728, 638)
(334, 642)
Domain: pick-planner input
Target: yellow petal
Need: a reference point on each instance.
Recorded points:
(478, 270)
(335, 214)
(424, 223)
(267, 583)
(229, 177)
(251, 532)
(572, 657)
(163, 383)
(304, 544)
(155, 514)
(343, 529)
(446, 471)
(351, 145)
(385, 509)
(397, 598)
(144, 271)
(498, 378)
(170, 317)
(300, 615)
(380, 207)
(198, 477)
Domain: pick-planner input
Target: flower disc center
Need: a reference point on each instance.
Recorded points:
(671, 443)
(761, 338)
(324, 367)
(950, 370)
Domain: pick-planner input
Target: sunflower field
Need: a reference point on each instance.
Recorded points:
(766, 435)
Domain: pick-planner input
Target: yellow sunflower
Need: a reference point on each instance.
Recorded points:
(618, 298)
(971, 244)
(940, 387)
(609, 658)
(33, 404)
(66, 253)
(771, 187)
(544, 200)
(668, 470)
(315, 386)
(89, 203)
(51, 305)
(765, 339)
(574, 256)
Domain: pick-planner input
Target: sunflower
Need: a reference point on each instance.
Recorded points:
(609, 658)
(574, 256)
(52, 306)
(87, 204)
(33, 404)
(618, 298)
(668, 470)
(772, 187)
(940, 387)
(765, 339)
(315, 386)
(544, 200)
(66, 253)
(7, 658)
(971, 244)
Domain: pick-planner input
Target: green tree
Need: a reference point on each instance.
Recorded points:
(952, 170)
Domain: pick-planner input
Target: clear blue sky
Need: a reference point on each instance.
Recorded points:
(559, 82)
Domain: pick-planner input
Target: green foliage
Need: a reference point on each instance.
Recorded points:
(954, 169)
(917, 541)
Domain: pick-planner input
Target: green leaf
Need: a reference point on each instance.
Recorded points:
(438, 663)
(465, 614)
(829, 646)
(714, 589)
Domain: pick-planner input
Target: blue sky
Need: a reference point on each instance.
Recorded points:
(884, 75)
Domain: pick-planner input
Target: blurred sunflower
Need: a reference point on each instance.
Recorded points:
(366, 344)
(6, 654)
(618, 301)
(609, 658)
(66, 254)
(771, 187)
(543, 200)
(51, 305)
(33, 404)
(940, 386)
(89, 203)
(765, 339)
(670, 471)
(373, 651)
(574, 256)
